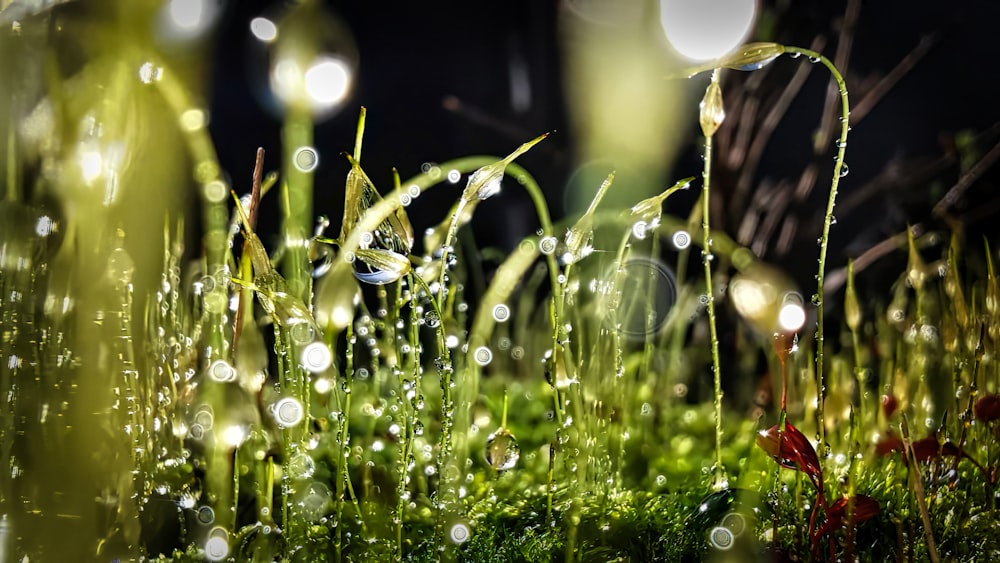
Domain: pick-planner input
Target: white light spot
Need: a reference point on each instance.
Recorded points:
(44, 226)
(681, 240)
(263, 29)
(306, 159)
(483, 355)
(323, 385)
(91, 165)
(215, 191)
(454, 176)
(149, 73)
(187, 14)
(327, 82)
(501, 313)
(193, 120)
(221, 371)
(234, 435)
(792, 315)
(287, 412)
(459, 533)
(216, 548)
(316, 357)
(703, 30)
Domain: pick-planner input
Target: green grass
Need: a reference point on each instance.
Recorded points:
(457, 403)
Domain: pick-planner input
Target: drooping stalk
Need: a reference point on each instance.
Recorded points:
(838, 172)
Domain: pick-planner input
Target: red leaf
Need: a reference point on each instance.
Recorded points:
(865, 508)
(987, 409)
(925, 449)
(891, 443)
(791, 449)
(929, 448)
(889, 405)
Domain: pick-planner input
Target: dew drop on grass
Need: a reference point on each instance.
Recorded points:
(431, 319)
(502, 451)
(844, 170)
(548, 245)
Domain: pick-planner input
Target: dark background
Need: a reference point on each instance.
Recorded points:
(414, 56)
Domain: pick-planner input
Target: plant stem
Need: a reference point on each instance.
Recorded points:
(838, 167)
(706, 259)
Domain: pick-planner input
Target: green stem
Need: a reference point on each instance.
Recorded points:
(845, 110)
(297, 205)
(706, 259)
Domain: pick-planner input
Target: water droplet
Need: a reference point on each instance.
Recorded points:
(431, 319)
(316, 357)
(502, 451)
(301, 465)
(501, 313)
(735, 523)
(206, 515)
(221, 371)
(149, 73)
(459, 533)
(217, 547)
(548, 245)
(681, 240)
(814, 60)
(483, 355)
(121, 267)
(639, 230)
(844, 170)
(306, 159)
(721, 538)
(287, 412)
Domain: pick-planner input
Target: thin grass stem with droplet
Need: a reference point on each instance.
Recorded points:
(824, 240)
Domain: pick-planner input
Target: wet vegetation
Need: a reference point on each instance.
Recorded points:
(361, 393)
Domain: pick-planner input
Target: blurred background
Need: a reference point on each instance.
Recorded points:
(447, 79)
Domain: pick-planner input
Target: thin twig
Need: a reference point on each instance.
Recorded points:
(840, 59)
(875, 95)
(767, 127)
(973, 174)
(896, 242)
(258, 170)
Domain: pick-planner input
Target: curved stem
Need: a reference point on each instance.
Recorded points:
(838, 168)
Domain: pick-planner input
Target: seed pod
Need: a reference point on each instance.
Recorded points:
(711, 111)
(852, 309)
